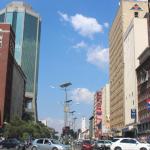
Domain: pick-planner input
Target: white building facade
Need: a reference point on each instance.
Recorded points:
(106, 110)
(135, 41)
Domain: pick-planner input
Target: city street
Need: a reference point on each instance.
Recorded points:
(75, 75)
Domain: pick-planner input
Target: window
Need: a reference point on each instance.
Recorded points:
(100, 141)
(136, 14)
(0, 44)
(143, 76)
(114, 140)
(132, 141)
(46, 141)
(40, 141)
(1, 38)
(108, 142)
(124, 141)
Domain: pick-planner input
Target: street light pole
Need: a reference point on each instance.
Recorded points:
(66, 102)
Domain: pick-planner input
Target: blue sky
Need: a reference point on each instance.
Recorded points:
(74, 48)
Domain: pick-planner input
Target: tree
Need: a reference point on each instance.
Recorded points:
(21, 129)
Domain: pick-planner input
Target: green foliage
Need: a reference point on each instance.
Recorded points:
(24, 129)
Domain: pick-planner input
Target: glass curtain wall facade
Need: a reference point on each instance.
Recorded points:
(27, 27)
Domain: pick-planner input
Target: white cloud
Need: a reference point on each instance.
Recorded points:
(79, 45)
(106, 25)
(98, 56)
(85, 26)
(82, 95)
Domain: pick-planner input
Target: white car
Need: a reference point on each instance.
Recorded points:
(129, 144)
(101, 144)
(47, 144)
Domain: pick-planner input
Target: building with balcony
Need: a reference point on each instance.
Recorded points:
(98, 114)
(143, 77)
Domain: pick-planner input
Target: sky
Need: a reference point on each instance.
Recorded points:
(74, 48)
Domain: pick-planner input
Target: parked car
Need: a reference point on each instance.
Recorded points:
(12, 143)
(114, 140)
(102, 144)
(47, 144)
(55, 142)
(129, 144)
(87, 145)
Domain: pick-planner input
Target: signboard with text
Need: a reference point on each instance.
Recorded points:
(133, 113)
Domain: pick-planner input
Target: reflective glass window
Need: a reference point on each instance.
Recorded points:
(124, 141)
(40, 141)
(29, 50)
(2, 17)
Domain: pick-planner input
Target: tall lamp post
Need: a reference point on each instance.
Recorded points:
(66, 102)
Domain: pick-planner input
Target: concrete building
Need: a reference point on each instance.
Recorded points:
(135, 41)
(143, 77)
(106, 110)
(12, 79)
(27, 27)
(98, 115)
(83, 124)
(84, 134)
(91, 127)
(126, 12)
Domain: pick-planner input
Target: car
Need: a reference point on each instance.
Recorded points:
(129, 144)
(102, 144)
(47, 144)
(12, 143)
(87, 145)
(114, 140)
(56, 142)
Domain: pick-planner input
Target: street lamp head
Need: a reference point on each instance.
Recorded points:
(72, 112)
(68, 101)
(64, 85)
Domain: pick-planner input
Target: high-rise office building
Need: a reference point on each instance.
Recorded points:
(126, 12)
(27, 27)
(135, 41)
